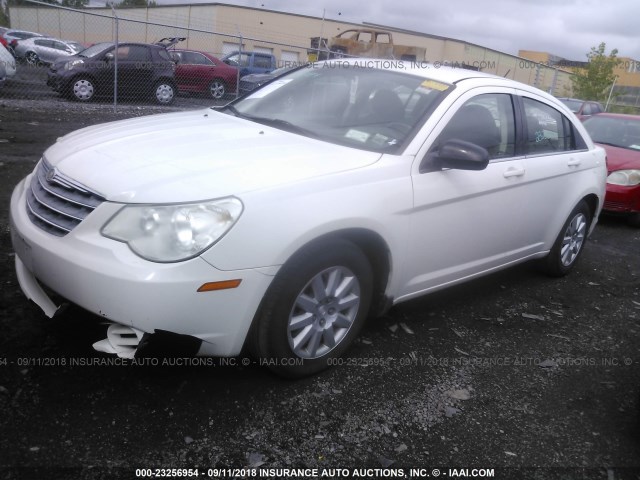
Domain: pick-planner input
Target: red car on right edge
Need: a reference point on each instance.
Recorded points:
(619, 135)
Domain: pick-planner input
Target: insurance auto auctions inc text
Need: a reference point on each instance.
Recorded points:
(354, 473)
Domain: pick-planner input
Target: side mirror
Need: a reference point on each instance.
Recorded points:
(109, 57)
(456, 154)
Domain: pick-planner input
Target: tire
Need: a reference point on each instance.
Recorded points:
(570, 242)
(32, 59)
(164, 92)
(634, 220)
(83, 89)
(301, 325)
(217, 89)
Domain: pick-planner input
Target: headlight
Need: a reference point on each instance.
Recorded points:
(627, 178)
(172, 233)
(73, 63)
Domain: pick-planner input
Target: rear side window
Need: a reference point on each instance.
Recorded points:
(133, 53)
(547, 130)
(165, 55)
(262, 61)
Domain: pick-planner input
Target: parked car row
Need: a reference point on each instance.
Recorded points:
(156, 71)
(619, 135)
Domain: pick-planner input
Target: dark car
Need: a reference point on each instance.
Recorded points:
(144, 71)
(619, 135)
(200, 72)
(582, 108)
(252, 81)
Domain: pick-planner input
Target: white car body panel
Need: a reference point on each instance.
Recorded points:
(439, 228)
(256, 157)
(8, 62)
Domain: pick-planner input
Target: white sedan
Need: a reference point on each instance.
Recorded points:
(283, 220)
(7, 65)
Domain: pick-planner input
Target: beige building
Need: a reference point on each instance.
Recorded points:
(220, 29)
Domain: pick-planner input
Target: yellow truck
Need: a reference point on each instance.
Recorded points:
(363, 42)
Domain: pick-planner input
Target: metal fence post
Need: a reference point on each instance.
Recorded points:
(115, 64)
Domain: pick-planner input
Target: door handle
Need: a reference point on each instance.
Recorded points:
(574, 162)
(513, 172)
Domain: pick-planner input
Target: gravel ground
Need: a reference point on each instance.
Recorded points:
(529, 376)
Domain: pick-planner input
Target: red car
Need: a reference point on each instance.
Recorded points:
(619, 135)
(200, 72)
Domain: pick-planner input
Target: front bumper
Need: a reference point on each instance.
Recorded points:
(106, 278)
(622, 199)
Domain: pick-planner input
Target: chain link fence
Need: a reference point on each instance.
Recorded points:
(173, 56)
(86, 56)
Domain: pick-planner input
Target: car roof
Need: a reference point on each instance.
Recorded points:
(434, 71)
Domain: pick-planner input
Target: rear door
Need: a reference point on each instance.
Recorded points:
(135, 70)
(557, 160)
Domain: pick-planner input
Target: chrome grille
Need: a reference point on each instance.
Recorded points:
(57, 204)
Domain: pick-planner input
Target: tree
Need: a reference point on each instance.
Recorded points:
(594, 81)
(4, 15)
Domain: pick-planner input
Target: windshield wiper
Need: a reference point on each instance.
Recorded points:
(281, 124)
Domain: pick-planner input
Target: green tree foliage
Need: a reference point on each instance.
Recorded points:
(4, 16)
(595, 80)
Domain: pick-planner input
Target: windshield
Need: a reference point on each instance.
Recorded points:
(94, 50)
(623, 132)
(366, 108)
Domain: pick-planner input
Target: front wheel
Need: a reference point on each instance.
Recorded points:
(570, 242)
(82, 89)
(314, 309)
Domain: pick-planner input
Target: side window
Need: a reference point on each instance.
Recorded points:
(261, 61)
(486, 120)
(547, 129)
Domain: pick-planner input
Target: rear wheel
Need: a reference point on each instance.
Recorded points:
(314, 309)
(32, 59)
(570, 242)
(164, 92)
(217, 89)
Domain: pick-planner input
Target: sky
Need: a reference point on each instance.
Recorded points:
(567, 28)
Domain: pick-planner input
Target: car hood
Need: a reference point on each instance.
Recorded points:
(621, 158)
(257, 77)
(193, 156)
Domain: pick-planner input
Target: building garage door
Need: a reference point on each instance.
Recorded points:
(289, 59)
(230, 47)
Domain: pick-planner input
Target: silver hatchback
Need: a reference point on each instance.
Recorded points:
(39, 50)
